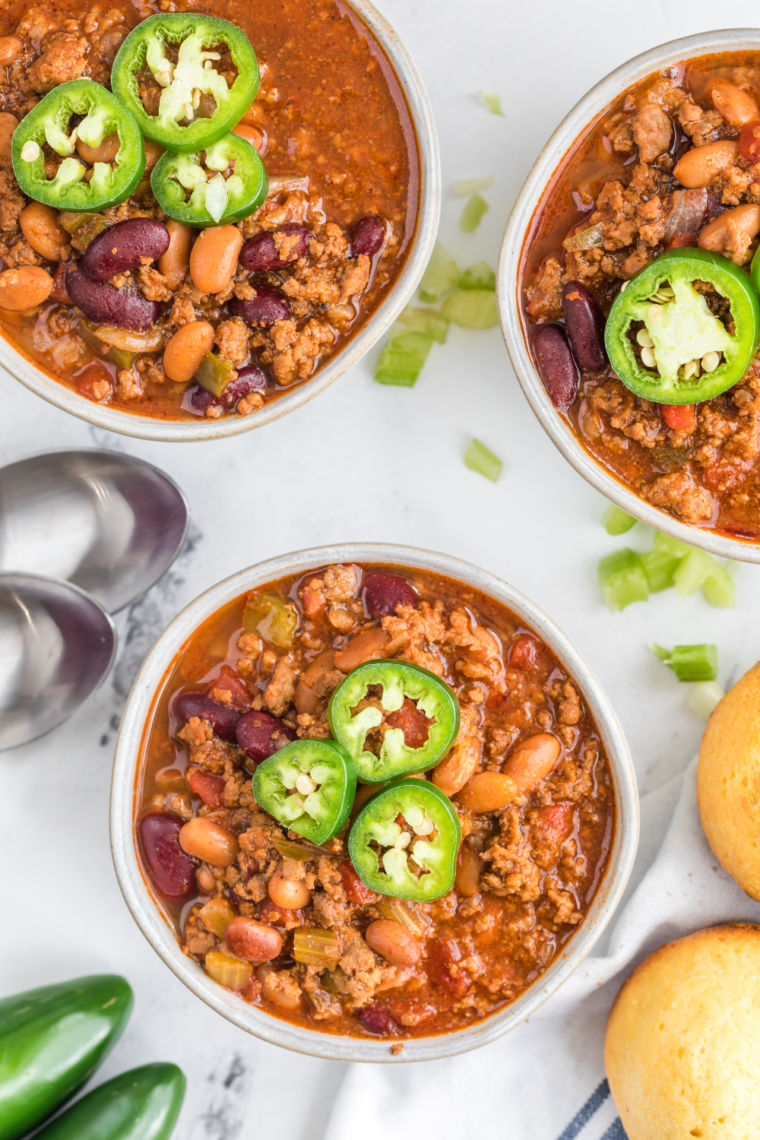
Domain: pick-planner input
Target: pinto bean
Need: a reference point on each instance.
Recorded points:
(251, 135)
(207, 841)
(532, 760)
(556, 365)
(152, 154)
(8, 124)
(105, 305)
(253, 941)
(286, 997)
(175, 261)
(268, 306)
(306, 697)
(366, 646)
(732, 232)
(213, 258)
(39, 225)
(736, 106)
(698, 166)
(383, 593)
(106, 152)
(470, 866)
(393, 942)
(11, 48)
(585, 327)
(458, 767)
(186, 349)
(23, 288)
(290, 894)
(488, 791)
(123, 247)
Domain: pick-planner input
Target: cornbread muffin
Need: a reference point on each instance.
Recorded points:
(683, 1039)
(728, 782)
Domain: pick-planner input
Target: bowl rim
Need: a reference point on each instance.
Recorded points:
(170, 431)
(531, 196)
(156, 929)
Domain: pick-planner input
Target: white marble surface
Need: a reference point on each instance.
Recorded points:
(360, 462)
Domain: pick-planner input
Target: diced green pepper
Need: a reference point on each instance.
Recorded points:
(214, 373)
(272, 618)
(309, 786)
(121, 357)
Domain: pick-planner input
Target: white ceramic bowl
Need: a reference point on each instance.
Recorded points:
(144, 427)
(149, 917)
(536, 187)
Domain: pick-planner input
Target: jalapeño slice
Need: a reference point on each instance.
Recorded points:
(308, 786)
(224, 183)
(196, 107)
(398, 681)
(694, 318)
(405, 841)
(49, 124)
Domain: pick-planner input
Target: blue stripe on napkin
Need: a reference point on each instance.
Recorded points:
(584, 1114)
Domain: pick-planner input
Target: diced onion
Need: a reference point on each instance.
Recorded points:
(687, 213)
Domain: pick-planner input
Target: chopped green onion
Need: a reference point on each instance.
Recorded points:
(672, 546)
(703, 697)
(622, 579)
(689, 662)
(471, 308)
(719, 589)
(659, 567)
(479, 458)
(617, 521)
(442, 274)
(693, 572)
(402, 359)
(478, 276)
(313, 946)
(426, 321)
(469, 186)
(472, 214)
(491, 102)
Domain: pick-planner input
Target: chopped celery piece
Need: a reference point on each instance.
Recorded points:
(693, 572)
(216, 916)
(272, 618)
(479, 458)
(426, 321)
(478, 276)
(228, 971)
(617, 521)
(290, 849)
(491, 102)
(403, 912)
(467, 186)
(672, 546)
(703, 697)
(659, 567)
(472, 214)
(471, 308)
(313, 946)
(719, 589)
(689, 662)
(402, 359)
(622, 579)
(442, 274)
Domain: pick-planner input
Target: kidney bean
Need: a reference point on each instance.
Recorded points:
(252, 378)
(222, 719)
(556, 365)
(412, 722)
(105, 305)
(393, 942)
(260, 253)
(213, 258)
(59, 292)
(173, 264)
(260, 734)
(122, 247)
(253, 941)
(377, 1020)
(353, 888)
(368, 235)
(585, 327)
(383, 593)
(749, 143)
(172, 871)
(288, 894)
(40, 226)
(207, 841)
(209, 788)
(186, 349)
(524, 654)
(23, 288)
(269, 305)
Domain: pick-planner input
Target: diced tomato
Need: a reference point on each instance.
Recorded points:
(274, 915)
(353, 888)
(679, 417)
(725, 474)
(684, 241)
(413, 723)
(443, 967)
(252, 991)
(229, 681)
(554, 823)
(209, 788)
(749, 143)
(525, 654)
(414, 1010)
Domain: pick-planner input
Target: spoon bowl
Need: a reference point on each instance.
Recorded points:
(56, 647)
(109, 523)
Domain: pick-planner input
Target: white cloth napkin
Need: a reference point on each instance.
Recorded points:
(545, 1080)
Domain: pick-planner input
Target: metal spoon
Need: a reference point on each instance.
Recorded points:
(56, 646)
(105, 521)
